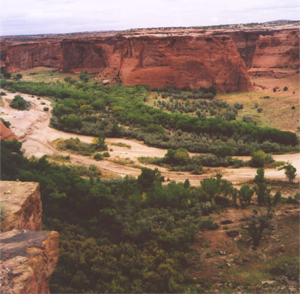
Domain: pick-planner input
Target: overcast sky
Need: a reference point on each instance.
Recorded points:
(24, 17)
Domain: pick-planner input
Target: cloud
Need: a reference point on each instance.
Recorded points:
(64, 16)
(214, 19)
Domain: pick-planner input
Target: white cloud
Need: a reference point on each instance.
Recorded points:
(63, 16)
(214, 19)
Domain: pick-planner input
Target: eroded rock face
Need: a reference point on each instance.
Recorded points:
(23, 205)
(22, 56)
(161, 61)
(220, 59)
(278, 51)
(28, 259)
(28, 256)
(6, 134)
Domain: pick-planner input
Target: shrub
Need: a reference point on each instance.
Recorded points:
(238, 105)
(106, 154)
(19, 76)
(225, 151)
(72, 81)
(285, 88)
(19, 103)
(43, 103)
(247, 119)
(290, 171)
(259, 110)
(98, 156)
(6, 123)
(7, 75)
(245, 195)
(256, 226)
(3, 211)
(259, 158)
(67, 79)
(46, 108)
(2, 93)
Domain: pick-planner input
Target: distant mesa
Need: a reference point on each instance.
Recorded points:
(194, 59)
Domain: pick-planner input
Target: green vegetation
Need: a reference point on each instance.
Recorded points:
(119, 144)
(290, 171)
(79, 147)
(3, 211)
(5, 122)
(93, 109)
(19, 103)
(105, 225)
(98, 156)
(260, 158)
(126, 235)
(256, 226)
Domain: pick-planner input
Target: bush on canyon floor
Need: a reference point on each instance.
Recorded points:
(5, 122)
(20, 103)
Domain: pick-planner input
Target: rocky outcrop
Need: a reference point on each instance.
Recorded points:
(28, 256)
(28, 259)
(200, 59)
(23, 205)
(6, 134)
(161, 61)
(280, 50)
(22, 56)
(245, 41)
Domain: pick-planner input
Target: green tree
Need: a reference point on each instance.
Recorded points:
(7, 75)
(67, 79)
(181, 156)
(261, 187)
(258, 158)
(100, 143)
(225, 151)
(257, 225)
(84, 77)
(245, 195)
(149, 177)
(290, 171)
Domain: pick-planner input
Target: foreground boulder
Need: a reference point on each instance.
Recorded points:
(28, 255)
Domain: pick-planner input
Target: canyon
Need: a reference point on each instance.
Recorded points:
(224, 59)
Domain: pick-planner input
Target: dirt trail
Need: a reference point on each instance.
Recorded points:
(32, 127)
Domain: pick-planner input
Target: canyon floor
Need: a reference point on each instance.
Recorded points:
(33, 129)
(219, 263)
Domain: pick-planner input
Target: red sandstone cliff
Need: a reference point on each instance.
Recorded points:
(22, 56)
(6, 134)
(162, 61)
(201, 59)
(28, 256)
(277, 51)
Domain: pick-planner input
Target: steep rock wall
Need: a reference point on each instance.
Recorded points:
(28, 256)
(162, 61)
(277, 51)
(22, 56)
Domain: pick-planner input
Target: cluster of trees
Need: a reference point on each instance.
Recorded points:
(121, 235)
(91, 109)
(20, 103)
(127, 235)
(81, 147)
